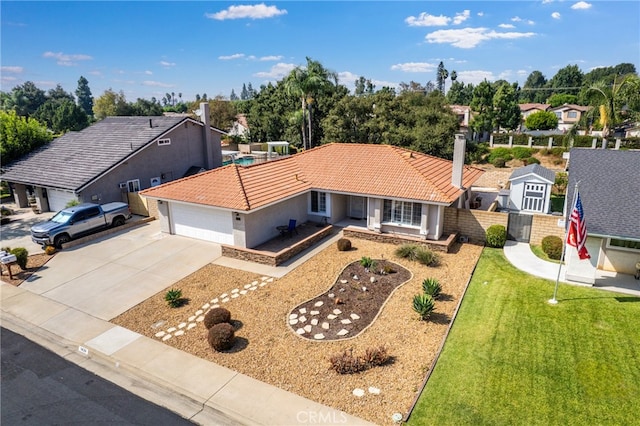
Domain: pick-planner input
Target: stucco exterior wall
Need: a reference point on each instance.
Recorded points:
(621, 261)
(260, 226)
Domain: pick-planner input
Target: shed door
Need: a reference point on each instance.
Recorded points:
(58, 199)
(203, 223)
(534, 196)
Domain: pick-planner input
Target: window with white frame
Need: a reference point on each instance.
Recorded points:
(133, 185)
(166, 141)
(402, 212)
(572, 114)
(622, 244)
(559, 115)
(318, 202)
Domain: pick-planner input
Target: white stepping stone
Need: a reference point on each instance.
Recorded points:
(167, 337)
(314, 312)
(355, 316)
(205, 306)
(314, 321)
(331, 295)
(191, 325)
(256, 282)
(292, 316)
(247, 285)
(293, 321)
(191, 318)
(318, 336)
(331, 316)
(325, 325)
(200, 318)
(235, 295)
(372, 279)
(222, 296)
(307, 328)
(345, 321)
(303, 310)
(374, 391)
(160, 334)
(343, 281)
(269, 280)
(337, 311)
(215, 306)
(302, 318)
(253, 288)
(300, 331)
(355, 277)
(214, 300)
(199, 312)
(179, 333)
(318, 303)
(182, 325)
(342, 332)
(225, 300)
(243, 291)
(171, 329)
(263, 284)
(358, 392)
(235, 290)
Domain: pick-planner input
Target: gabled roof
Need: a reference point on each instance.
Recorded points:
(534, 169)
(530, 106)
(376, 170)
(571, 107)
(609, 190)
(73, 160)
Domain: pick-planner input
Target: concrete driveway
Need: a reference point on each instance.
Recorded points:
(107, 276)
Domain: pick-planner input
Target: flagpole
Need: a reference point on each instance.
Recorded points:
(554, 301)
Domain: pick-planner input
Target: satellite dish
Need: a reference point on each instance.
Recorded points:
(198, 112)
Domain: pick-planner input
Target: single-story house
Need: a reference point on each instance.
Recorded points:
(609, 189)
(389, 189)
(113, 158)
(530, 189)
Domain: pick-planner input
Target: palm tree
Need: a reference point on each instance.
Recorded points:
(609, 100)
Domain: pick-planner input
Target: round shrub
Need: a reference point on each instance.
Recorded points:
(427, 257)
(498, 162)
(552, 246)
(530, 160)
(344, 244)
(521, 152)
(216, 316)
(22, 255)
(496, 236)
(221, 336)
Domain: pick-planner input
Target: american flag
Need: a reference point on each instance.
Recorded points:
(577, 234)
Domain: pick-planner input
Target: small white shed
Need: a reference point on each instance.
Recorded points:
(531, 189)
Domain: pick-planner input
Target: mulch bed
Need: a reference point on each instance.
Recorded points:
(357, 290)
(34, 262)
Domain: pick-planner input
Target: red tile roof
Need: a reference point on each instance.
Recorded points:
(377, 170)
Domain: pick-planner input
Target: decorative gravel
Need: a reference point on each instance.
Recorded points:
(268, 349)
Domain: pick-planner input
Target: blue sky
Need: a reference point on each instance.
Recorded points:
(147, 48)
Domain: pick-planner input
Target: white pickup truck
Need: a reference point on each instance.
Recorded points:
(77, 221)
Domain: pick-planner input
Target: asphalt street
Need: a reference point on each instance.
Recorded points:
(40, 388)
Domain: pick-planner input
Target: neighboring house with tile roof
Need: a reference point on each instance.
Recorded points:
(529, 108)
(240, 127)
(568, 115)
(390, 189)
(530, 189)
(112, 158)
(609, 189)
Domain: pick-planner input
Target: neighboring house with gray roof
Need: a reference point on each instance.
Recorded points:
(609, 187)
(530, 189)
(113, 158)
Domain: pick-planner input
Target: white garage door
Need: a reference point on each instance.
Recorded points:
(202, 223)
(58, 199)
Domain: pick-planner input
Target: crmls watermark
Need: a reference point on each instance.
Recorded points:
(320, 418)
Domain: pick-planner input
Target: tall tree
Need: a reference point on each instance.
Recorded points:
(533, 89)
(567, 80)
(19, 136)
(233, 96)
(111, 103)
(482, 105)
(244, 94)
(460, 94)
(83, 93)
(26, 99)
(507, 114)
(364, 86)
(442, 76)
(610, 100)
(222, 113)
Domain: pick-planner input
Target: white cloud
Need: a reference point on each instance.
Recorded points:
(230, 57)
(46, 83)
(475, 77)
(516, 19)
(167, 64)
(414, 67)
(426, 20)
(530, 22)
(147, 72)
(522, 73)
(66, 59)
(547, 1)
(256, 11)
(152, 83)
(467, 38)
(12, 70)
(581, 5)
(507, 26)
(271, 58)
(555, 15)
(461, 17)
(276, 72)
(480, 13)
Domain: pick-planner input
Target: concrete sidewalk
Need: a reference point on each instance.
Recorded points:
(521, 256)
(199, 390)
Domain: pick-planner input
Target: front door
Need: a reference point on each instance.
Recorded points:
(357, 207)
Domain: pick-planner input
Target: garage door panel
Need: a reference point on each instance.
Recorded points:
(202, 223)
(58, 199)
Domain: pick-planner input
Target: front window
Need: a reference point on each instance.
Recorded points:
(572, 114)
(318, 202)
(621, 244)
(402, 212)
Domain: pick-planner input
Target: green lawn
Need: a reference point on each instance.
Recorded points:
(513, 359)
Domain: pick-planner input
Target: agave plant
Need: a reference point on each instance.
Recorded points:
(367, 262)
(432, 287)
(423, 304)
(173, 297)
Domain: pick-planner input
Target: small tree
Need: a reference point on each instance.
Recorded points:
(541, 120)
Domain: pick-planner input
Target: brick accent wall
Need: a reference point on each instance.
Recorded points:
(472, 223)
(543, 225)
(440, 245)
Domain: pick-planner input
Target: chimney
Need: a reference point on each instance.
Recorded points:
(213, 154)
(458, 160)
